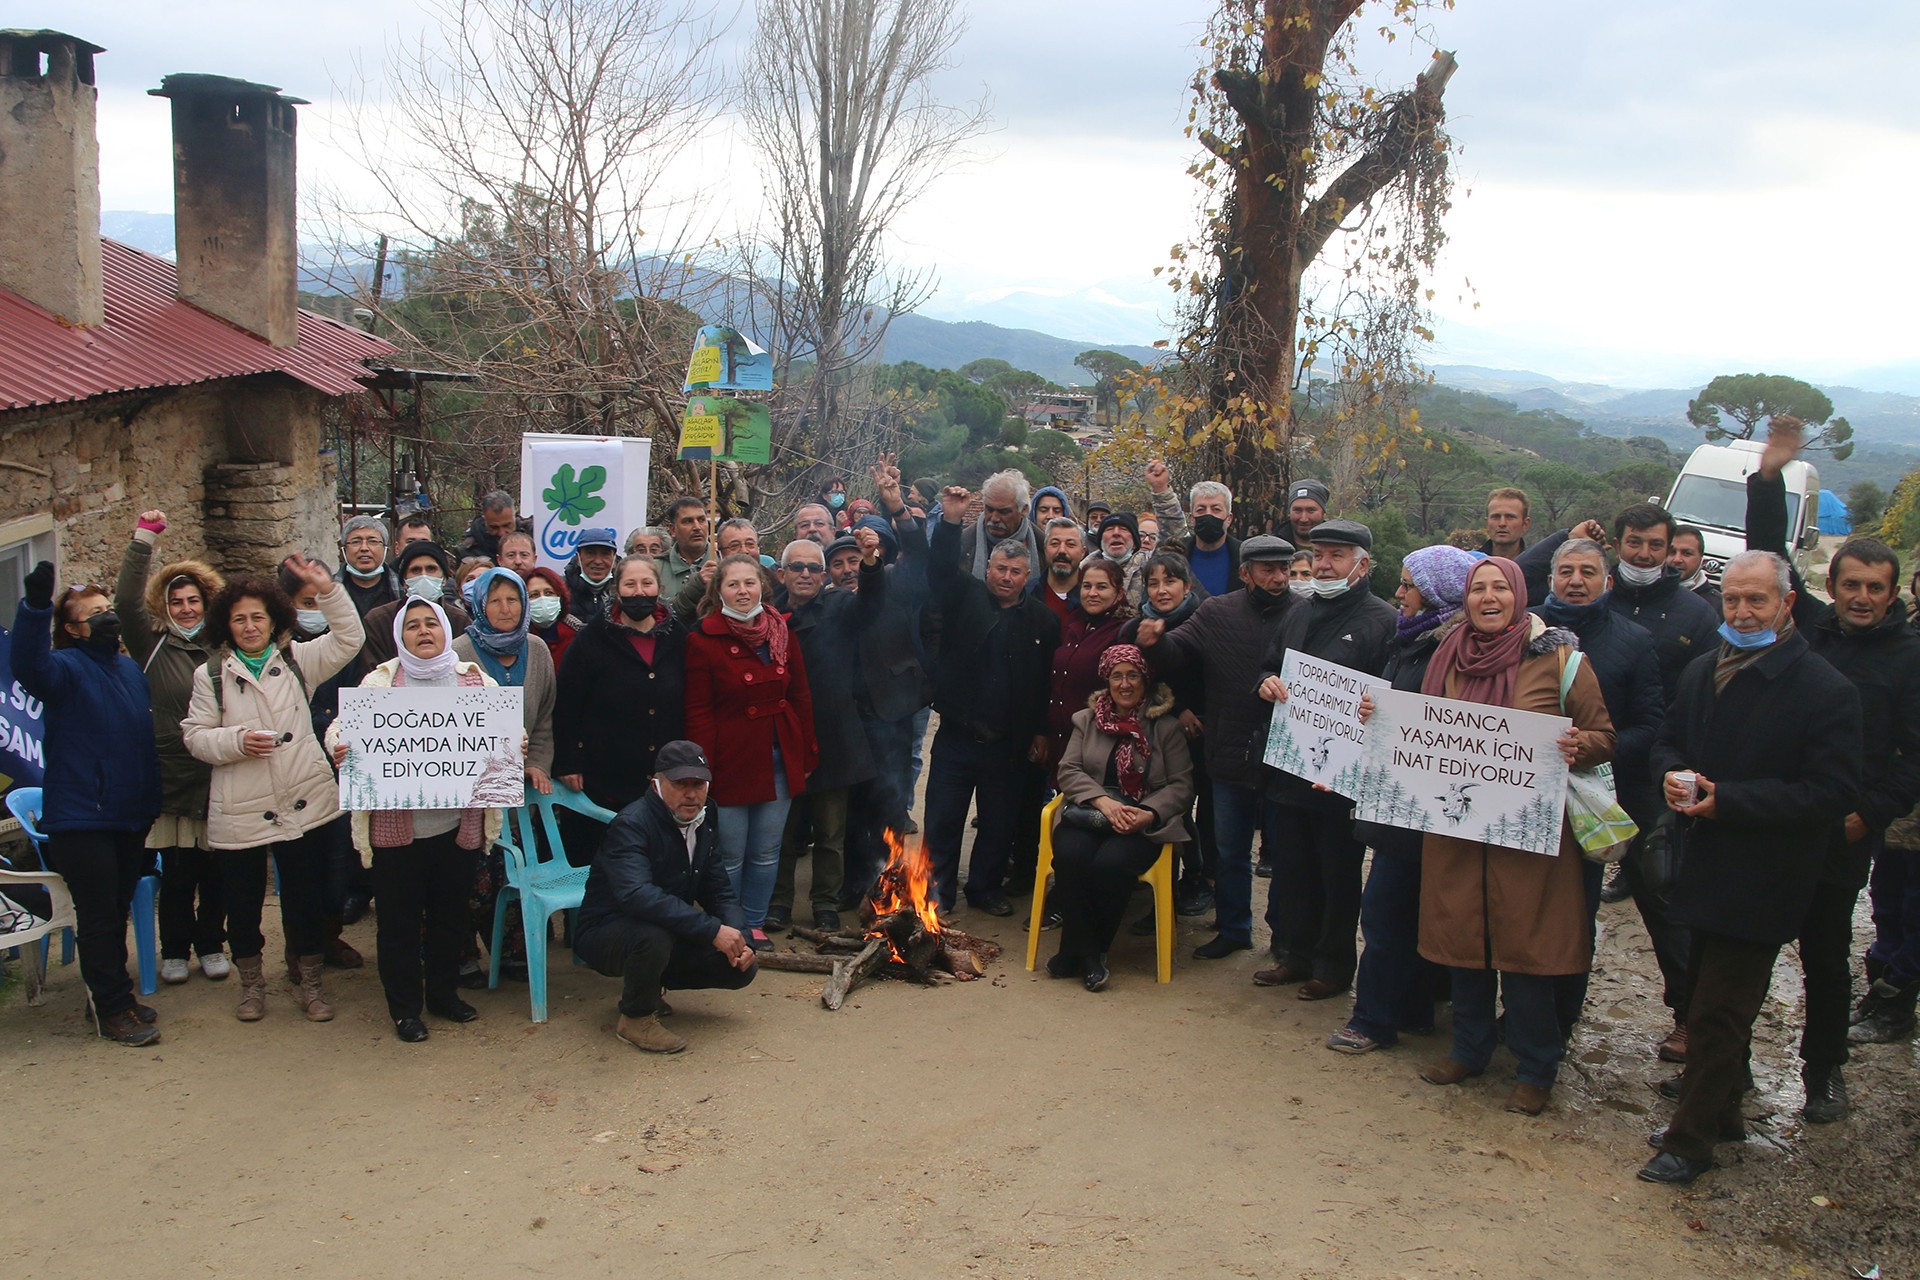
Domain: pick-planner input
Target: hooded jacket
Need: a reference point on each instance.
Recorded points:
(140, 597)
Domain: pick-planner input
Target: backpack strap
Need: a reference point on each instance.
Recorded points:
(286, 652)
(286, 655)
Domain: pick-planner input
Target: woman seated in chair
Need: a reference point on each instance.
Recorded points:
(423, 859)
(1126, 779)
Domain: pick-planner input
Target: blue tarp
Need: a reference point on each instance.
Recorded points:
(1833, 513)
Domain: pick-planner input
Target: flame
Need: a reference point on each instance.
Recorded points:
(905, 885)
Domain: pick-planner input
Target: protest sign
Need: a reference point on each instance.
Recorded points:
(1316, 733)
(453, 748)
(724, 360)
(723, 429)
(1463, 769)
(572, 483)
(22, 727)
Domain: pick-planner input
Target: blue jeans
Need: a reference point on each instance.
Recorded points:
(1237, 813)
(964, 771)
(1393, 989)
(1532, 1027)
(750, 845)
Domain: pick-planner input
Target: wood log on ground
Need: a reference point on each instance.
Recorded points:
(918, 954)
(848, 973)
(796, 962)
(960, 962)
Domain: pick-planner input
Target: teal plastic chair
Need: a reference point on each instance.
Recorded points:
(24, 803)
(542, 886)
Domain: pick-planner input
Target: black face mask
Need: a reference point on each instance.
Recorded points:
(1209, 528)
(104, 631)
(638, 607)
(1264, 600)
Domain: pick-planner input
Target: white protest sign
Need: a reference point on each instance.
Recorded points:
(453, 748)
(1463, 769)
(1316, 733)
(571, 483)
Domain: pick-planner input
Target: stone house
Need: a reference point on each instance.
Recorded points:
(127, 382)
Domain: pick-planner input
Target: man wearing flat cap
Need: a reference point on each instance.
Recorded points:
(659, 912)
(1306, 512)
(589, 574)
(1314, 904)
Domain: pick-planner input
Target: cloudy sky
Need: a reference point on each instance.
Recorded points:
(1650, 191)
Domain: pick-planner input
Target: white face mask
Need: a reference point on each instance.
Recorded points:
(1300, 586)
(1635, 576)
(544, 610)
(312, 621)
(426, 587)
(738, 616)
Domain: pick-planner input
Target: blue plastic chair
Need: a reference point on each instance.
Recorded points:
(541, 885)
(24, 804)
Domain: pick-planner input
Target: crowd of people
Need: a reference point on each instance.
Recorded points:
(1109, 671)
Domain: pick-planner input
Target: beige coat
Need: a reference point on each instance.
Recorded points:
(1169, 791)
(1526, 911)
(281, 796)
(381, 677)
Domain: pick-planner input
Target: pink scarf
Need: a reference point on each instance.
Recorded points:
(1487, 664)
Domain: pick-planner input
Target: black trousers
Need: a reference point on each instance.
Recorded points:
(422, 923)
(1826, 952)
(346, 878)
(649, 958)
(1199, 857)
(1093, 878)
(1672, 948)
(101, 869)
(193, 905)
(1313, 904)
(1730, 980)
(303, 889)
(994, 776)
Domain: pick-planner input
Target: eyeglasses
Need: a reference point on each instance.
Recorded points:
(790, 567)
(369, 540)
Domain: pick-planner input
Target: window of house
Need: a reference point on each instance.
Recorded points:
(23, 544)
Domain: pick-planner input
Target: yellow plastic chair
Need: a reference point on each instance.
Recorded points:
(1159, 875)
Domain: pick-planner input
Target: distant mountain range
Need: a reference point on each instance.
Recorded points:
(945, 344)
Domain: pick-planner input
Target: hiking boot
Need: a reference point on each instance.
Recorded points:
(126, 1028)
(1888, 1016)
(1826, 1096)
(253, 990)
(1529, 1099)
(646, 1033)
(1674, 1047)
(313, 1000)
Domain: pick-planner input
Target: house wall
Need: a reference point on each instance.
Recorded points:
(186, 452)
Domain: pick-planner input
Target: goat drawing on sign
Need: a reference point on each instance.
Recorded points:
(1318, 753)
(1456, 804)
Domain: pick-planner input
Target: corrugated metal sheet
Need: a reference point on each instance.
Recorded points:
(152, 339)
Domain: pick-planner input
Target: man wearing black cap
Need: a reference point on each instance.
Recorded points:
(1306, 511)
(1097, 512)
(1314, 904)
(425, 571)
(659, 911)
(1225, 638)
(589, 574)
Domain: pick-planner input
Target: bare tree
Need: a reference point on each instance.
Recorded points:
(518, 148)
(840, 103)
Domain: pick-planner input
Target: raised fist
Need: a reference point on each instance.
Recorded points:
(37, 590)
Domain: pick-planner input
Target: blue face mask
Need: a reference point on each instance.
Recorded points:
(1747, 639)
(836, 500)
(426, 587)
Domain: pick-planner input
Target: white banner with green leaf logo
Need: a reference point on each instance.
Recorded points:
(572, 483)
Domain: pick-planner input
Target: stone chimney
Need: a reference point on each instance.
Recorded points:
(50, 174)
(233, 202)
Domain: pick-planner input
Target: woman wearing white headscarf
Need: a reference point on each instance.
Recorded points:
(423, 859)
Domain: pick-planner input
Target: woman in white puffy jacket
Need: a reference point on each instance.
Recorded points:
(273, 788)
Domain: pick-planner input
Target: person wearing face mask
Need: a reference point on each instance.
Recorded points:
(660, 911)
(1224, 640)
(1300, 574)
(102, 787)
(163, 618)
(547, 607)
(589, 574)
(619, 697)
(369, 580)
(1314, 904)
(1760, 755)
(426, 573)
(273, 789)
(833, 496)
(1214, 553)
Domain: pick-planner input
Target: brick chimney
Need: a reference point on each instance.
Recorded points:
(50, 174)
(233, 201)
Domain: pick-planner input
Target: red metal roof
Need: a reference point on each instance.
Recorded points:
(153, 339)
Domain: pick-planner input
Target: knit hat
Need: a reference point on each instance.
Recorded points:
(1118, 653)
(1309, 489)
(889, 540)
(1440, 574)
(423, 547)
(1126, 521)
(358, 523)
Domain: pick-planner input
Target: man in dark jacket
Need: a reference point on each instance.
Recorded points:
(659, 911)
(1313, 906)
(1306, 512)
(1622, 657)
(364, 571)
(589, 575)
(1226, 638)
(1687, 553)
(1761, 754)
(827, 624)
(990, 688)
(429, 563)
(495, 521)
(1865, 635)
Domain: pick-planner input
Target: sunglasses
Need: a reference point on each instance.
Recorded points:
(804, 568)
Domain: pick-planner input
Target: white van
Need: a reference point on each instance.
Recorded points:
(1710, 493)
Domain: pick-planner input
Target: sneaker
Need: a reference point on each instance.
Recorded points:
(214, 966)
(758, 940)
(647, 1034)
(1351, 1040)
(173, 972)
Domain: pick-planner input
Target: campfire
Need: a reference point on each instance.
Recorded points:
(900, 934)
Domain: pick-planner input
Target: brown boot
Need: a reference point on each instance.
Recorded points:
(312, 999)
(647, 1033)
(337, 950)
(253, 990)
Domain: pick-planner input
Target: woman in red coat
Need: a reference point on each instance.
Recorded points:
(749, 708)
(1091, 626)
